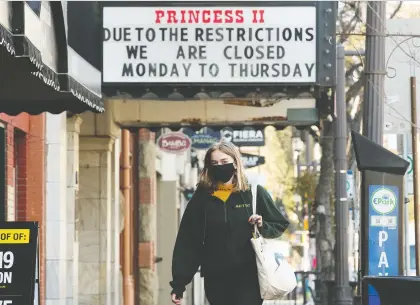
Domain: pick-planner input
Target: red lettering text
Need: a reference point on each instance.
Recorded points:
(172, 17)
(258, 16)
(159, 14)
(204, 16)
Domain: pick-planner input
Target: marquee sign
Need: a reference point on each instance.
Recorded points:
(18, 248)
(218, 44)
(156, 43)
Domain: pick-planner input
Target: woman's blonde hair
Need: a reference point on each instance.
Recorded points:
(240, 182)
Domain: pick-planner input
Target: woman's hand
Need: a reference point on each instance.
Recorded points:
(256, 219)
(175, 300)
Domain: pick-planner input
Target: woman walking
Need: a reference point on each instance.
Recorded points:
(216, 229)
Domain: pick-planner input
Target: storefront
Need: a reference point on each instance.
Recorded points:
(40, 72)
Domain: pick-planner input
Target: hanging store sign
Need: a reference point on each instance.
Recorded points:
(247, 136)
(250, 160)
(174, 142)
(203, 138)
(18, 248)
(210, 44)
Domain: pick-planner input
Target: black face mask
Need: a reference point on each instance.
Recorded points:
(223, 172)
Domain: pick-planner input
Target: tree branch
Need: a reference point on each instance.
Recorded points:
(355, 88)
(353, 68)
(397, 9)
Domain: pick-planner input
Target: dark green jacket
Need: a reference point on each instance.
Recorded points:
(216, 235)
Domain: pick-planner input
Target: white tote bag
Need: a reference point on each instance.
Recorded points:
(276, 276)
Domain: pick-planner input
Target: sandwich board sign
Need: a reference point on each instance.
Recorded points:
(18, 260)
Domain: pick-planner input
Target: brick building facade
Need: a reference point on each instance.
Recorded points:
(24, 148)
(41, 73)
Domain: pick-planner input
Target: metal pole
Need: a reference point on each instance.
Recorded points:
(406, 223)
(342, 289)
(416, 190)
(298, 165)
(308, 147)
(373, 106)
(356, 212)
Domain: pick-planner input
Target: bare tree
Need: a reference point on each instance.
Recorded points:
(324, 211)
(351, 33)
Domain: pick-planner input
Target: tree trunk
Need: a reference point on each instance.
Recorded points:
(324, 212)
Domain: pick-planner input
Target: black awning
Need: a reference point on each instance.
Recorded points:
(28, 85)
(6, 42)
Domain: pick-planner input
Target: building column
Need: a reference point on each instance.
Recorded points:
(147, 218)
(95, 221)
(167, 228)
(118, 215)
(57, 276)
(73, 131)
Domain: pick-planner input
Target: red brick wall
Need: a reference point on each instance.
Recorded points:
(146, 255)
(30, 151)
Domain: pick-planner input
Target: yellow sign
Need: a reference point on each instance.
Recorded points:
(14, 236)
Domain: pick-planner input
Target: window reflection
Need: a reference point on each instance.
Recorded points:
(35, 6)
(412, 257)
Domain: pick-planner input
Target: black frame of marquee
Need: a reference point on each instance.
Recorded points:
(326, 58)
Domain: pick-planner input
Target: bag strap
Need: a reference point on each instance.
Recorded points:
(254, 198)
(254, 205)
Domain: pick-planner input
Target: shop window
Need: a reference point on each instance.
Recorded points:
(19, 172)
(85, 30)
(35, 6)
(412, 258)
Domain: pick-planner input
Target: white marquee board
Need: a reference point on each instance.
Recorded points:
(209, 44)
